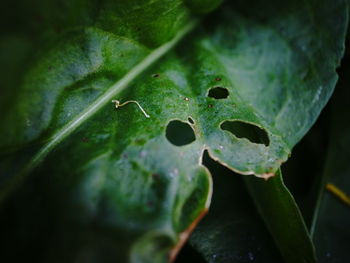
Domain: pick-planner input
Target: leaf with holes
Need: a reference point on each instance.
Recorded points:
(115, 178)
(105, 198)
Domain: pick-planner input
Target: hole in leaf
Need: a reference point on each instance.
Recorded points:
(179, 133)
(246, 130)
(190, 120)
(218, 93)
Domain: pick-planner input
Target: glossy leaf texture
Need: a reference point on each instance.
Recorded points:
(262, 64)
(331, 222)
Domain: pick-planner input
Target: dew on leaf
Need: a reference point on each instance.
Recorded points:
(174, 172)
(251, 256)
(28, 123)
(143, 154)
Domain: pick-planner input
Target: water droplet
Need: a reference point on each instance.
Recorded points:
(174, 172)
(251, 256)
(318, 93)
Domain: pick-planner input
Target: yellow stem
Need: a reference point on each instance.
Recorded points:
(338, 193)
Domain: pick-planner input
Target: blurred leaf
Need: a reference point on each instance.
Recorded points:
(282, 217)
(304, 185)
(233, 230)
(331, 225)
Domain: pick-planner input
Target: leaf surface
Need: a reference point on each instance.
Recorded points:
(117, 170)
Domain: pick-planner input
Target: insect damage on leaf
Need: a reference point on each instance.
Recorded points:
(232, 68)
(218, 93)
(249, 131)
(180, 133)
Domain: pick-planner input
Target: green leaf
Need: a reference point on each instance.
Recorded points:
(89, 59)
(143, 206)
(117, 172)
(331, 222)
(283, 218)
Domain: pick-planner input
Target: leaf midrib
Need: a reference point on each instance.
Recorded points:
(93, 108)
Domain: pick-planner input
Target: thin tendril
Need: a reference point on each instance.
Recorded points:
(118, 105)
